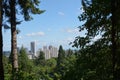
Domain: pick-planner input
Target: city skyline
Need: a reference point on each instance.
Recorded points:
(49, 51)
(32, 53)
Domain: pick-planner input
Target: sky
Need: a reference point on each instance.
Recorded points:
(58, 25)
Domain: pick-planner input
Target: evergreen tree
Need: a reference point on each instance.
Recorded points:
(27, 7)
(23, 59)
(69, 52)
(41, 59)
(25, 66)
(13, 38)
(61, 56)
(60, 62)
(1, 42)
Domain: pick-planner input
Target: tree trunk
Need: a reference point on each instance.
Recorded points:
(113, 37)
(1, 44)
(14, 40)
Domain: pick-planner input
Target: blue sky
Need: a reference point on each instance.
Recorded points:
(56, 26)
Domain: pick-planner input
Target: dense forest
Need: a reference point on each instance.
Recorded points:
(94, 59)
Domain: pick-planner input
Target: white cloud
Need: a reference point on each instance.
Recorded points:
(61, 13)
(36, 34)
(72, 30)
(40, 33)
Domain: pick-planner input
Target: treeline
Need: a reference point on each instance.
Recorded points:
(39, 68)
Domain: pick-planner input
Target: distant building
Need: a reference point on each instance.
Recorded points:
(30, 55)
(47, 52)
(50, 52)
(53, 51)
(33, 48)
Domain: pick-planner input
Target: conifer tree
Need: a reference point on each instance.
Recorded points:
(41, 59)
(27, 7)
(60, 67)
(1, 42)
(61, 56)
(23, 59)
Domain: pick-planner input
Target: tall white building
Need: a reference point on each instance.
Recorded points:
(50, 52)
(47, 52)
(53, 51)
(33, 48)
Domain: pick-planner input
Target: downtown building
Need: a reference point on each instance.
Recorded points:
(32, 53)
(50, 52)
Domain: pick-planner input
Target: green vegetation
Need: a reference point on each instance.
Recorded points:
(39, 68)
(41, 59)
(98, 59)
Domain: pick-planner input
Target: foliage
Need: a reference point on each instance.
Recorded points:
(24, 62)
(97, 59)
(93, 63)
(61, 56)
(60, 61)
(25, 65)
(41, 59)
(29, 70)
(29, 7)
(7, 68)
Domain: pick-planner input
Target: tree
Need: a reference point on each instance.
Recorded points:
(13, 38)
(27, 7)
(41, 56)
(23, 59)
(41, 59)
(7, 68)
(61, 56)
(69, 68)
(115, 36)
(60, 62)
(93, 63)
(1, 42)
(69, 52)
(101, 19)
(25, 65)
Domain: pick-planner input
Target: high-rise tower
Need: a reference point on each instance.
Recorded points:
(33, 48)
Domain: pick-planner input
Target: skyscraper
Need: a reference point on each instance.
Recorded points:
(53, 51)
(47, 52)
(33, 48)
